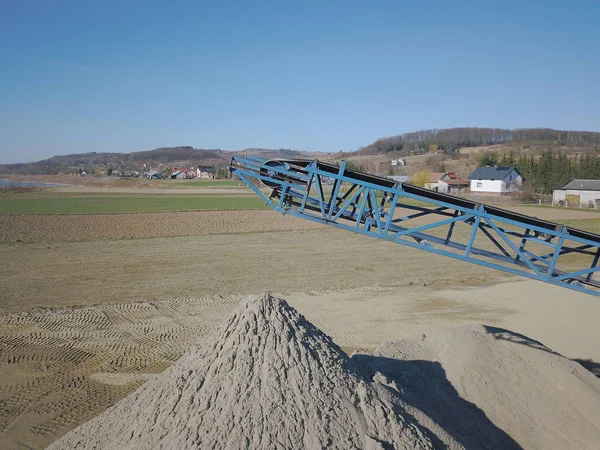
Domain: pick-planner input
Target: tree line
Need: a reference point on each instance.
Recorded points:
(551, 170)
(451, 139)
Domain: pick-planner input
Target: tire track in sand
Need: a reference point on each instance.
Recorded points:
(51, 358)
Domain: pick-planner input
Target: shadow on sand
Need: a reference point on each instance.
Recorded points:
(590, 365)
(424, 385)
(516, 338)
(500, 333)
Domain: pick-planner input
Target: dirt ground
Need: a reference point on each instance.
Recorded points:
(85, 323)
(548, 213)
(92, 306)
(89, 227)
(81, 227)
(43, 275)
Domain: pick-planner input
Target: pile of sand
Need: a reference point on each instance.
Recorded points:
(267, 378)
(537, 397)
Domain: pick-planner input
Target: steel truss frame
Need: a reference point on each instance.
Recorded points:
(384, 209)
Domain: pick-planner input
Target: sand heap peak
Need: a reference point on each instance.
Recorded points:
(266, 378)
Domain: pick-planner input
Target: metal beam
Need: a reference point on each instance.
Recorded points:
(369, 202)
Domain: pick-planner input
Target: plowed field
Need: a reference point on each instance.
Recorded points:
(82, 227)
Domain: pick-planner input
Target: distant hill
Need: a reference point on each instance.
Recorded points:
(448, 141)
(452, 139)
(168, 156)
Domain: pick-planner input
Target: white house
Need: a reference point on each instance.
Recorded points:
(205, 172)
(578, 194)
(495, 180)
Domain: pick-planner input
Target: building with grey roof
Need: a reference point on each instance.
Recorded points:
(578, 194)
(583, 185)
(495, 180)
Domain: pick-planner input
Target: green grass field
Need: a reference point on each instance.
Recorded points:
(591, 225)
(87, 204)
(204, 183)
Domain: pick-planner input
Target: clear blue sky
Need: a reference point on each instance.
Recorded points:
(128, 75)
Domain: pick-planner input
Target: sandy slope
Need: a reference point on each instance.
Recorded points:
(539, 398)
(564, 320)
